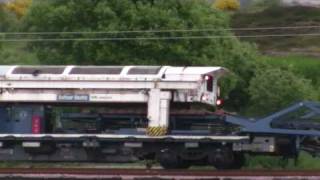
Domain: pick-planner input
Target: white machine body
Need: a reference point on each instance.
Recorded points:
(155, 85)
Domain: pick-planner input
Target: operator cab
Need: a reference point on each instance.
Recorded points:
(210, 89)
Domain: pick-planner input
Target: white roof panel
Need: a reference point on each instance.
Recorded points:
(4, 70)
(192, 70)
(134, 73)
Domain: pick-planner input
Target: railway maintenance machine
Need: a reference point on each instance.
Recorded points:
(127, 113)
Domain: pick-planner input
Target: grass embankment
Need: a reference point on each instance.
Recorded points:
(308, 67)
(304, 162)
(282, 17)
(303, 66)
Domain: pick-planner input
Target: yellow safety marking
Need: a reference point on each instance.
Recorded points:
(156, 131)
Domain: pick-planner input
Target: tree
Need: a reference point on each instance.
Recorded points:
(273, 88)
(114, 16)
(8, 22)
(2, 24)
(7, 19)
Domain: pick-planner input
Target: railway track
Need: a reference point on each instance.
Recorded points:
(143, 174)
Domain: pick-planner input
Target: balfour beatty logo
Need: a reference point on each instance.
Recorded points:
(73, 97)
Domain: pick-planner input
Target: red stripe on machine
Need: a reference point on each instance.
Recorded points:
(36, 124)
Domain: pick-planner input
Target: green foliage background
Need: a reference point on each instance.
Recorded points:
(273, 88)
(124, 15)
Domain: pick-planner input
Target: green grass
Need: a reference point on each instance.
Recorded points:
(304, 162)
(307, 67)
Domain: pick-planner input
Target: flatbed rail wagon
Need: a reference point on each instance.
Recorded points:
(127, 113)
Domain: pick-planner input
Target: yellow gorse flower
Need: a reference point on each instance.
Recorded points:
(19, 7)
(227, 4)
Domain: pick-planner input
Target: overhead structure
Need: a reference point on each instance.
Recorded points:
(155, 85)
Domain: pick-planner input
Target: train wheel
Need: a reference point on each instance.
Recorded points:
(224, 158)
(239, 161)
(169, 160)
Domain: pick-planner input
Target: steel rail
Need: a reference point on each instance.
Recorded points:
(82, 173)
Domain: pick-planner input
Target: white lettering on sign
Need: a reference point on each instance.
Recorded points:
(73, 97)
(97, 97)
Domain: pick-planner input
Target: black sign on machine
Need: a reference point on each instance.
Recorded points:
(73, 97)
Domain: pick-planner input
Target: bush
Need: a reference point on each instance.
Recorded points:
(8, 20)
(13, 54)
(227, 4)
(273, 88)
